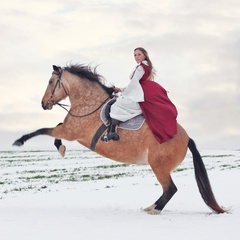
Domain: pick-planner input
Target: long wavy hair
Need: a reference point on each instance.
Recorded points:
(145, 53)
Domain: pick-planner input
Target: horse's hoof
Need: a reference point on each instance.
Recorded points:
(18, 143)
(151, 210)
(154, 212)
(62, 150)
(148, 209)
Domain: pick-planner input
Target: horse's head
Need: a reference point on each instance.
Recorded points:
(55, 91)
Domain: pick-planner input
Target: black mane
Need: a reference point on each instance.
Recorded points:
(85, 71)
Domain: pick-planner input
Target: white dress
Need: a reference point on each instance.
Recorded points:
(126, 105)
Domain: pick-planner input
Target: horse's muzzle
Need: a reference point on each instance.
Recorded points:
(47, 106)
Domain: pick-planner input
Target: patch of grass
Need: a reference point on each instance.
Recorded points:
(72, 179)
(228, 166)
(112, 166)
(180, 169)
(225, 165)
(88, 177)
(31, 171)
(56, 170)
(217, 156)
(41, 177)
(19, 189)
(37, 177)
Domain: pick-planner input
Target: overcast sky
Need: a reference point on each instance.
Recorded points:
(194, 46)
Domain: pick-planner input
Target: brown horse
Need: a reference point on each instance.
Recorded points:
(87, 93)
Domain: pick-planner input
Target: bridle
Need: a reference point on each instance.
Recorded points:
(59, 84)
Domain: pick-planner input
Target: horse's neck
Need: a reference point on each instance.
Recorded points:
(86, 102)
(86, 95)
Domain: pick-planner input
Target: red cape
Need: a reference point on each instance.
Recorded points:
(160, 113)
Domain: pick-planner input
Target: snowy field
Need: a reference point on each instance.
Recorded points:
(87, 197)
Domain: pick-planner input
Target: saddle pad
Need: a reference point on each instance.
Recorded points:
(131, 124)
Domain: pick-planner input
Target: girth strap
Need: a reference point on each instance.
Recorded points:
(97, 135)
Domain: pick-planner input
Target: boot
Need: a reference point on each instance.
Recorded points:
(111, 134)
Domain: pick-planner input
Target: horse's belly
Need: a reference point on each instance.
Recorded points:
(139, 159)
(142, 160)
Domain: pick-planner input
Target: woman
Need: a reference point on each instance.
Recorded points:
(144, 96)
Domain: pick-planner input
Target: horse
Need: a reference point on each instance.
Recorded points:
(88, 92)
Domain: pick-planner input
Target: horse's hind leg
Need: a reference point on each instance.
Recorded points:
(169, 189)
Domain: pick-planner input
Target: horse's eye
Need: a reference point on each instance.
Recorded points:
(50, 81)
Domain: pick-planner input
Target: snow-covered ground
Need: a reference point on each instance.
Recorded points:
(85, 196)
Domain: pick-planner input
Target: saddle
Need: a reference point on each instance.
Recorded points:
(131, 124)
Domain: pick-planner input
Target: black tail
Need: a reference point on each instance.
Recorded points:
(202, 179)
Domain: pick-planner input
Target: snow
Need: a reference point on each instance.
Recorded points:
(85, 196)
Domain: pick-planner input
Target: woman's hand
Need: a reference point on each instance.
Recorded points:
(116, 89)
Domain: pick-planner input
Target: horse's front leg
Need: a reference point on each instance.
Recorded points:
(60, 147)
(58, 144)
(57, 132)
(24, 138)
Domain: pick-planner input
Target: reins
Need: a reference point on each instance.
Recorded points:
(84, 115)
(59, 83)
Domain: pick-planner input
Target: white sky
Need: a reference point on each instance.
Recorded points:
(194, 45)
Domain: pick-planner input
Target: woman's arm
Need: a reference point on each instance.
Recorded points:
(134, 90)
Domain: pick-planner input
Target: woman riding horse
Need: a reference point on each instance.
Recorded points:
(143, 95)
(87, 95)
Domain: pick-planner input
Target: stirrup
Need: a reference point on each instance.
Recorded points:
(104, 138)
(110, 136)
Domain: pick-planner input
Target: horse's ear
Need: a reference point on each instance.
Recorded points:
(55, 68)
